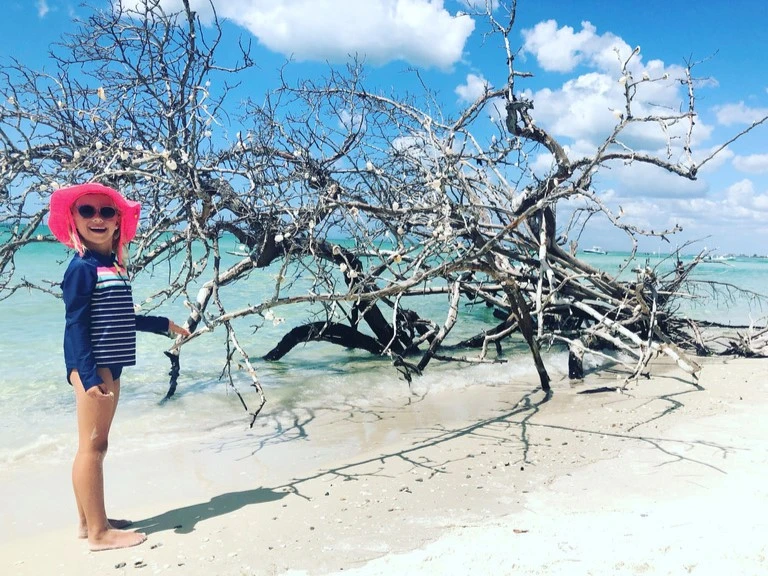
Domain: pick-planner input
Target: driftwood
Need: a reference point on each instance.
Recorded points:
(752, 344)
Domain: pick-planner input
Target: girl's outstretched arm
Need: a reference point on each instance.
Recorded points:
(159, 325)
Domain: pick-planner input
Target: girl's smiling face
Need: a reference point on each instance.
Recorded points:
(97, 229)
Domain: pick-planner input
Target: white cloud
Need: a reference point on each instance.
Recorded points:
(717, 162)
(473, 89)
(351, 121)
(542, 164)
(754, 163)
(647, 180)
(742, 200)
(562, 49)
(579, 149)
(586, 107)
(701, 212)
(42, 8)
(420, 32)
(739, 205)
(418, 147)
(497, 109)
(581, 108)
(740, 113)
(651, 201)
(579, 113)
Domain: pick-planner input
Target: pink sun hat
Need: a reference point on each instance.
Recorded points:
(61, 221)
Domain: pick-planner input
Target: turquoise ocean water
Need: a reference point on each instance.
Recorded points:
(37, 409)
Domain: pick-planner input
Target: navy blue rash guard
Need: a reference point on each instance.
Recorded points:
(101, 324)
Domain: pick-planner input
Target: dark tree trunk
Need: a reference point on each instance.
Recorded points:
(339, 334)
(575, 366)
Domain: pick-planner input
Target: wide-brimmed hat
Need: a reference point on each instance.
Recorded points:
(61, 221)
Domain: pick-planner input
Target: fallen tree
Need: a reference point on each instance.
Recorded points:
(426, 205)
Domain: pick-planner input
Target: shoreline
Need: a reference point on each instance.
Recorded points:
(661, 479)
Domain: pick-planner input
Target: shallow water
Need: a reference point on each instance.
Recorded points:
(37, 411)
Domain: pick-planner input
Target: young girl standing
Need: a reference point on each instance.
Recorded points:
(99, 337)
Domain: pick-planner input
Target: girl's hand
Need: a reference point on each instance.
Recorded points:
(98, 393)
(174, 328)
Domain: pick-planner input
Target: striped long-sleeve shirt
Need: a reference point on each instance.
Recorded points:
(101, 324)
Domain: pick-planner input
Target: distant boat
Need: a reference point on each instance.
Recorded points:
(594, 250)
(724, 258)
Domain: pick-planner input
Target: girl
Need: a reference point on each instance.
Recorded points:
(99, 337)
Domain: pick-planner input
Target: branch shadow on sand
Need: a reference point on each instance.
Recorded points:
(510, 426)
(415, 455)
(185, 519)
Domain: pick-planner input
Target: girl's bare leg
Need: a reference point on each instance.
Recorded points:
(82, 529)
(94, 418)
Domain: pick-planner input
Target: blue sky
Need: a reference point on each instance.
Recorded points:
(567, 45)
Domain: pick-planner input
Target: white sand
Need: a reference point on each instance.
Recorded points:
(478, 481)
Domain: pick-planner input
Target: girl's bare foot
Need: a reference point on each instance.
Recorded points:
(117, 524)
(111, 539)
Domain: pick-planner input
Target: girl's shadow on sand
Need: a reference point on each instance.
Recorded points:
(183, 520)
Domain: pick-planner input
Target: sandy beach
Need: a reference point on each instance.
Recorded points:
(664, 478)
